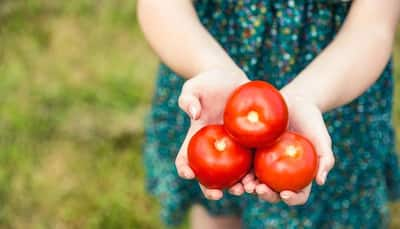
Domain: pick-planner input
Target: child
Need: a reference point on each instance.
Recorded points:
(328, 57)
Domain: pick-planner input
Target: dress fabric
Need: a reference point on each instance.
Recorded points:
(273, 41)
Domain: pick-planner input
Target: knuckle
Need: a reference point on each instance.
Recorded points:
(178, 165)
(180, 173)
(177, 161)
(185, 90)
(330, 162)
(187, 85)
(181, 101)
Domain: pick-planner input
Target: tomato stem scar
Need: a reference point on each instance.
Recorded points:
(220, 144)
(252, 116)
(291, 151)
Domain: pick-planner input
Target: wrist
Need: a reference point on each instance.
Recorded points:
(295, 98)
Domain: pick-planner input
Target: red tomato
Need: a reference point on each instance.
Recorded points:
(216, 160)
(289, 164)
(255, 114)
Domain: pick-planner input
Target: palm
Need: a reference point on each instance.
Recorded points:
(306, 119)
(213, 89)
(203, 98)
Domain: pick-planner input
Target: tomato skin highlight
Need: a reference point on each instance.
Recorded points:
(255, 114)
(217, 161)
(289, 164)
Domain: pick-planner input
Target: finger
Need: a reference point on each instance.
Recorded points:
(293, 198)
(182, 167)
(189, 101)
(181, 161)
(249, 177)
(237, 189)
(211, 194)
(322, 142)
(323, 145)
(250, 186)
(326, 162)
(249, 183)
(267, 194)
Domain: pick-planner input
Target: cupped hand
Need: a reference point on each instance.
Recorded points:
(304, 118)
(203, 98)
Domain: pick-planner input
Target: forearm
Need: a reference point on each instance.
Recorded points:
(353, 61)
(177, 36)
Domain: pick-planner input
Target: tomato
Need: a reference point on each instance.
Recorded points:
(289, 164)
(255, 114)
(217, 161)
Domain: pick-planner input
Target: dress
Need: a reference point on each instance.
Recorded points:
(273, 41)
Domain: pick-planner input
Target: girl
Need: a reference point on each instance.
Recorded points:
(328, 57)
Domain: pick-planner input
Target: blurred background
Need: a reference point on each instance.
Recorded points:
(76, 79)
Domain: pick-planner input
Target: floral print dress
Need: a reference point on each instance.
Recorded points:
(273, 40)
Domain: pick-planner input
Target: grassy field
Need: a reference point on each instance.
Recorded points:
(75, 84)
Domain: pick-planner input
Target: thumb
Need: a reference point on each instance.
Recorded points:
(189, 101)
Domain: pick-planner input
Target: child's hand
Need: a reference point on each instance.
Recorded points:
(203, 98)
(304, 118)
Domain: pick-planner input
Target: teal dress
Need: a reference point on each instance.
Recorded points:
(273, 41)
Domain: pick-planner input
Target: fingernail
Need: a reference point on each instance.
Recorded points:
(285, 196)
(192, 112)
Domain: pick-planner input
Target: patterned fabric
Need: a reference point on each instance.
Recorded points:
(273, 41)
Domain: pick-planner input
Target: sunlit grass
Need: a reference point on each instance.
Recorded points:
(75, 83)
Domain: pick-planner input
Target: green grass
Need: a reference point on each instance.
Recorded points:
(76, 82)
(75, 85)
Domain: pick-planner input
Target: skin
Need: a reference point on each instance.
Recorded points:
(201, 219)
(358, 54)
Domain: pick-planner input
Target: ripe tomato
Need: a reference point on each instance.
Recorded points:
(289, 164)
(255, 114)
(216, 160)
